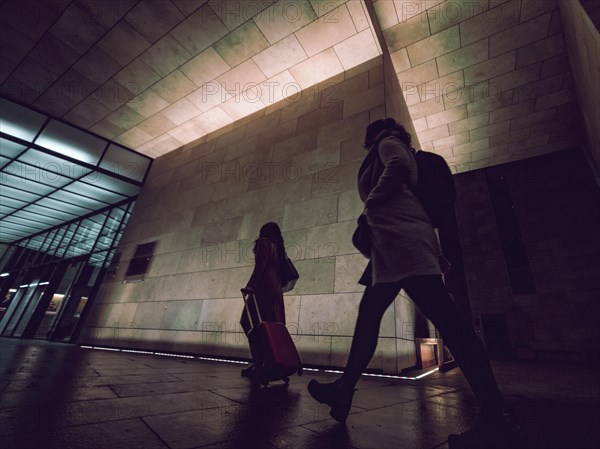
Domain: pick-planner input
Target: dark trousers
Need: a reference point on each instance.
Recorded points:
(430, 295)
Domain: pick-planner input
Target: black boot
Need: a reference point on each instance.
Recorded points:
(496, 429)
(335, 395)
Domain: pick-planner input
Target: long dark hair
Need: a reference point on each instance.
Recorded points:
(272, 232)
(375, 128)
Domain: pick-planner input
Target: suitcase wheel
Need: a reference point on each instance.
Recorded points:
(300, 371)
(286, 380)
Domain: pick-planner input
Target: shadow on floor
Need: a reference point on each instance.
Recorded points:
(62, 396)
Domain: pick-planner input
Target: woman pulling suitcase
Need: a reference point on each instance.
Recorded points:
(273, 351)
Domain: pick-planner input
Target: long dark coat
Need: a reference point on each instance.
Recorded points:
(404, 241)
(266, 283)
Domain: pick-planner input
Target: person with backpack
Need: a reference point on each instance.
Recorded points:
(405, 254)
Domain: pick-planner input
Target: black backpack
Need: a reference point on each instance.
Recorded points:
(435, 188)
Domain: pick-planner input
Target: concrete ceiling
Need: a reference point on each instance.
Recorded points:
(485, 81)
(156, 74)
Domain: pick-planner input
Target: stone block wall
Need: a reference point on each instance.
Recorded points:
(556, 203)
(580, 22)
(295, 163)
(485, 81)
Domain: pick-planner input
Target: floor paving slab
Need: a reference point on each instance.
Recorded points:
(63, 396)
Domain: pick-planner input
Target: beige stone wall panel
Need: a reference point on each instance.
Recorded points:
(522, 105)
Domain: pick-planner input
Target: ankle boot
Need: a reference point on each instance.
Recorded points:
(335, 395)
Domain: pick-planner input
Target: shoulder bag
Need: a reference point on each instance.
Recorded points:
(289, 274)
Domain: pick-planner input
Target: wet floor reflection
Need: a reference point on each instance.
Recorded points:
(61, 396)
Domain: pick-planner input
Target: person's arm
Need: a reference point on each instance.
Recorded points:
(393, 155)
(260, 262)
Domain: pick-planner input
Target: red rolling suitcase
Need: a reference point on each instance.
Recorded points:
(273, 345)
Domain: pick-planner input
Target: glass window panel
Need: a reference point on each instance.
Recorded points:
(125, 162)
(112, 225)
(25, 185)
(109, 230)
(82, 234)
(4, 161)
(61, 234)
(109, 240)
(117, 214)
(67, 207)
(18, 223)
(54, 164)
(30, 185)
(12, 202)
(10, 149)
(35, 173)
(50, 243)
(129, 209)
(5, 210)
(69, 234)
(103, 243)
(74, 198)
(98, 219)
(80, 247)
(66, 241)
(35, 243)
(112, 257)
(117, 239)
(71, 142)
(23, 244)
(49, 212)
(86, 245)
(60, 252)
(47, 240)
(10, 192)
(88, 230)
(112, 221)
(36, 220)
(10, 233)
(54, 244)
(94, 222)
(81, 188)
(56, 240)
(99, 259)
(63, 252)
(18, 121)
(108, 182)
(77, 250)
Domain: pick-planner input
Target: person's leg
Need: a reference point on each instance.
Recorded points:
(497, 427)
(430, 295)
(338, 395)
(375, 301)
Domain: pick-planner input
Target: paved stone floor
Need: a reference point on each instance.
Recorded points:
(62, 396)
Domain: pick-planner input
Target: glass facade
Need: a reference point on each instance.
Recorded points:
(52, 172)
(65, 198)
(49, 279)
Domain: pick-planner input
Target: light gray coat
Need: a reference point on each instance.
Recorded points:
(403, 238)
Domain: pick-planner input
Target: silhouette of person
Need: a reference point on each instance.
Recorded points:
(265, 284)
(406, 255)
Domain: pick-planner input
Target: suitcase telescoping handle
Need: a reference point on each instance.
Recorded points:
(245, 295)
